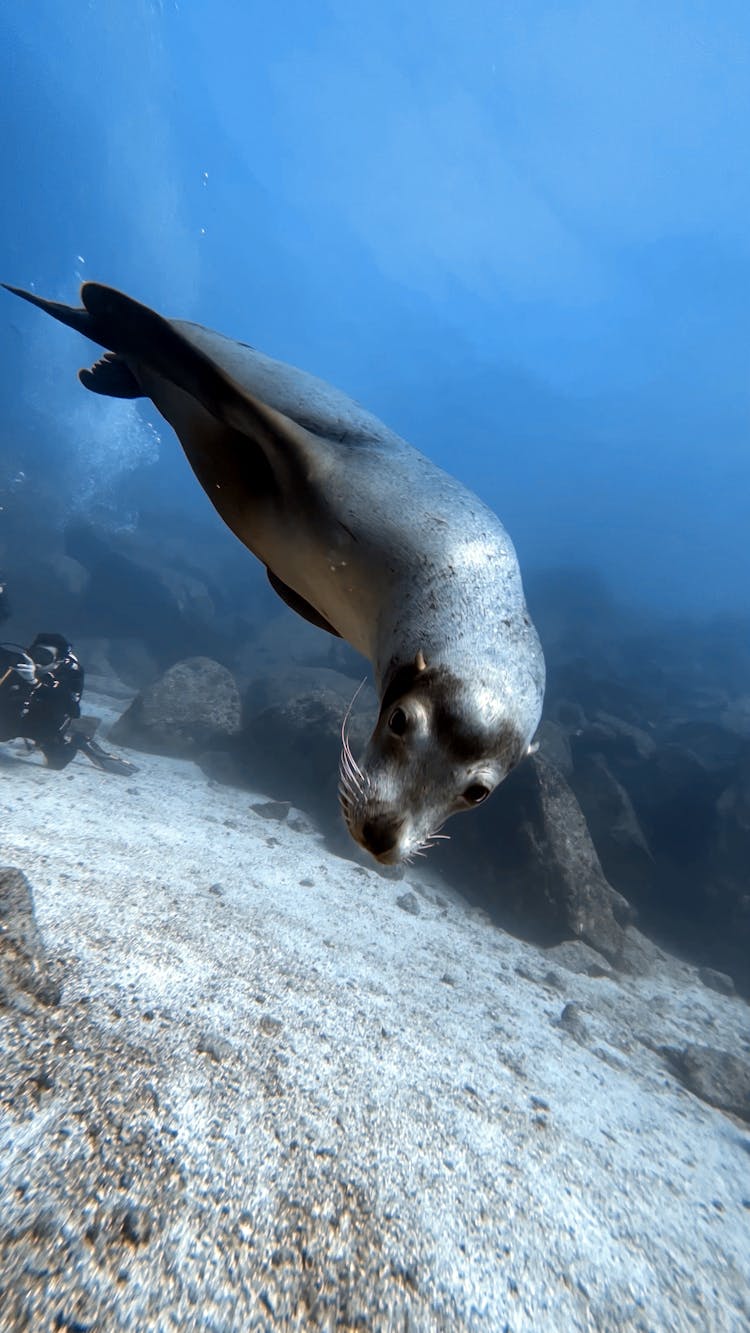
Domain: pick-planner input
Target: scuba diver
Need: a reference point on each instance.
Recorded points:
(40, 700)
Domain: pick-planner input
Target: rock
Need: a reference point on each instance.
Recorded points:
(24, 967)
(576, 956)
(718, 981)
(613, 735)
(554, 746)
(294, 682)
(569, 716)
(640, 956)
(408, 902)
(139, 588)
(717, 747)
(527, 858)
(613, 824)
(571, 1020)
(214, 1045)
(192, 706)
(277, 810)
(717, 1077)
(136, 1225)
(568, 869)
(286, 647)
(115, 667)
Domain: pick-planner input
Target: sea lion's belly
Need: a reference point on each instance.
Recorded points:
(345, 582)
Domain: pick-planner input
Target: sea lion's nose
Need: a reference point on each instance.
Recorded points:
(381, 835)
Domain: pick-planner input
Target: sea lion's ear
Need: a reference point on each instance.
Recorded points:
(402, 680)
(532, 748)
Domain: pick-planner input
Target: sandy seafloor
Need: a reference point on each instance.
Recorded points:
(387, 1101)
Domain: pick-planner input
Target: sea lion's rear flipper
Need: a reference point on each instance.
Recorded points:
(76, 317)
(140, 334)
(142, 338)
(112, 377)
(299, 604)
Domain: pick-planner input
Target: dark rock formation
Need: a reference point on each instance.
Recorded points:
(26, 973)
(717, 1077)
(613, 824)
(575, 956)
(564, 874)
(554, 745)
(718, 981)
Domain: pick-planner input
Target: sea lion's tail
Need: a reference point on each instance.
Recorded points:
(110, 376)
(134, 334)
(76, 318)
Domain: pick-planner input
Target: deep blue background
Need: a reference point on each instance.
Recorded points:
(520, 232)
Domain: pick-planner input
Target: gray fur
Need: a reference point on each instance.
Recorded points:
(370, 538)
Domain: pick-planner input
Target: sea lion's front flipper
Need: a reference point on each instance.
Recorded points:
(299, 604)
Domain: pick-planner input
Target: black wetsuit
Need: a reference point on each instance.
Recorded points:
(38, 703)
(41, 711)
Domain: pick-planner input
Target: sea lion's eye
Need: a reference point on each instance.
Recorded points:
(398, 722)
(476, 793)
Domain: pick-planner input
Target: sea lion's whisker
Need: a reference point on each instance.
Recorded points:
(363, 776)
(347, 757)
(347, 792)
(353, 767)
(348, 775)
(352, 702)
(352, 764)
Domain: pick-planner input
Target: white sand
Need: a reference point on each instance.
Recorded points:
(460, 1160)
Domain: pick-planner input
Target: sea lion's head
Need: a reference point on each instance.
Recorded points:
(441, 744)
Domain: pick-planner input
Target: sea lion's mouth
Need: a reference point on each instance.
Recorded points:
(374, 831)
(388, 838)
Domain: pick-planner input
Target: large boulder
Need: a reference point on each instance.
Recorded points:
(193, 707)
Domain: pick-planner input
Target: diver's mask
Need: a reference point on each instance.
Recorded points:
(45, 655)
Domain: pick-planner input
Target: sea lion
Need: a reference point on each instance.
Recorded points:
(363, 536)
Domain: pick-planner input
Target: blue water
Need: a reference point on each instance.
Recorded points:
(519, 233)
